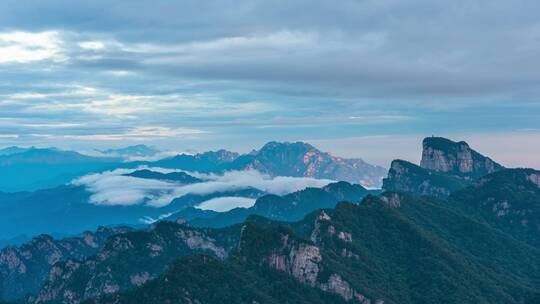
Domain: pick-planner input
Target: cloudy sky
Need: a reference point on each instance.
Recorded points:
(358, 78)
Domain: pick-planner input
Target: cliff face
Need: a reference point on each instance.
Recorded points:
(285, 252)
(446, 166)
(443, 155)
(129, 260)
(24, 269)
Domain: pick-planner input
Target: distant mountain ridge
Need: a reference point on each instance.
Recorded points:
(289, 208)
(37, 168)
(180, 177)
(283, 159)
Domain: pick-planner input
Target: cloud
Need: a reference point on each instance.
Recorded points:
(25, 47)
(113, 188)
(248, 72)
(222, 204)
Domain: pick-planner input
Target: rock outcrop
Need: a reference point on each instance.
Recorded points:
(130, 259)
(446, 166)
(443, 155)
(24, 269)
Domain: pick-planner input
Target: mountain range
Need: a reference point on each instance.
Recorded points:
(30, 169)
(457, 228)
(282, 159)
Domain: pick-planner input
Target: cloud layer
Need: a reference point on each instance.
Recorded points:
(113, 188)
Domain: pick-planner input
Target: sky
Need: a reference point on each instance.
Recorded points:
(363, 79)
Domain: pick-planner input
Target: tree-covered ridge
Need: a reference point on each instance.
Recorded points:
(290, 207)
(393, 248)
(508, 200)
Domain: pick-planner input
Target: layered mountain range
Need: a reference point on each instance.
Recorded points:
(458, 228)
(283, 159)
(70, 206)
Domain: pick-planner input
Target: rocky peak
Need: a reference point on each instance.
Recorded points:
(443, 155)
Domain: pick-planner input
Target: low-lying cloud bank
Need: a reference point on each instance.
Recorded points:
(114, 188)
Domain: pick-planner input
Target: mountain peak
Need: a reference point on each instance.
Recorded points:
(299, 145)
(444, 155)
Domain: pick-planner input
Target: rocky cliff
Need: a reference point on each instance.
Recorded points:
(443, 155)
(128, 260)
(446, 166)
(24, 269)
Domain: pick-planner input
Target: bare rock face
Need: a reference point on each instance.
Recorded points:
(391, 199)
(443, 155)
(338, 285)
(299, 260)
(24, 269)
(112, 269)
(534, 178)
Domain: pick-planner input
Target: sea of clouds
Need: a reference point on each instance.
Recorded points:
(114, 188)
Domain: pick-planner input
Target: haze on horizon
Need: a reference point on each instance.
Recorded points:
(235, 74)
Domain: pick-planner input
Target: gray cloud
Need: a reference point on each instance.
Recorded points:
(252, 71)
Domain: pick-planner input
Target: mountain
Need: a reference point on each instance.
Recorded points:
(232, 282)
(131, 151)
(24, 269)
(457, 158)
(282, 159)
(389, 249)
(37, 168)
(446, 166)
(152, 251)
(303, 160)
(508, 200)
(68, 210)
(290, 207)
(410, 178)
(12, 150)
(180, 177)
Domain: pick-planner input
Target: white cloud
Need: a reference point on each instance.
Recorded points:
(92, 45)
(222, 204)
(25, 47)
(11, 136)
(113, 188)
